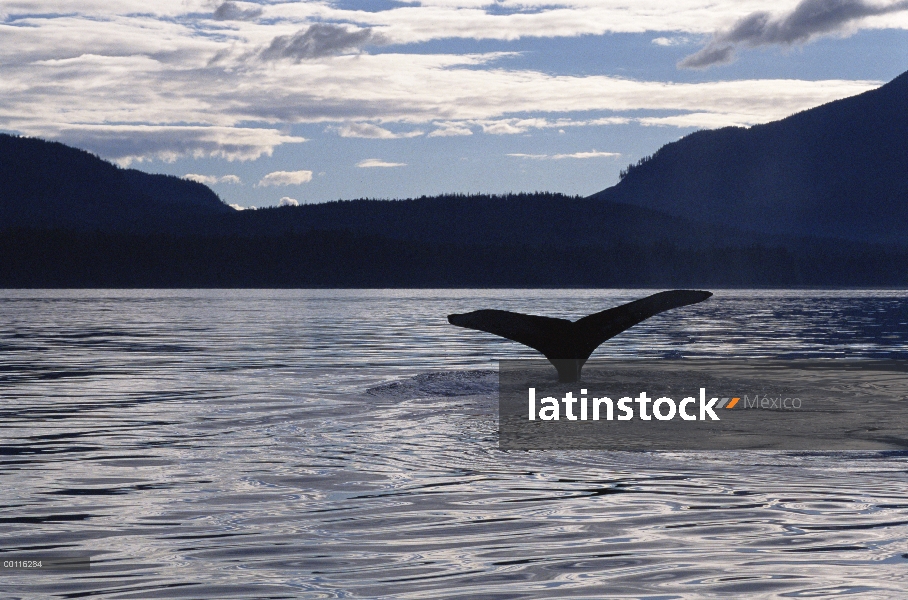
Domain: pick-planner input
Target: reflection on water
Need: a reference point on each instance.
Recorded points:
(343, 444)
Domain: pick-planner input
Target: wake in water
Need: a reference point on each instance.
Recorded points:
(443, 384)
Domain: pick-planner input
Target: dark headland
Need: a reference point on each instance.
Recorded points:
(817, 199)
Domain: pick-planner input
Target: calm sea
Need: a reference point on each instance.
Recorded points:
(342, 444)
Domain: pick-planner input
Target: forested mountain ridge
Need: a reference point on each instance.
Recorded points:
(838, 170)
(48, 185)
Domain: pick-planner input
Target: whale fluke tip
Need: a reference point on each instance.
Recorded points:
(457, 320)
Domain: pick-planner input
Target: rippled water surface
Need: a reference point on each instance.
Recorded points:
(309, 444)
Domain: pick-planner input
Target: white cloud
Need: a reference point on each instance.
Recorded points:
(609, 121)
(502, 128)
(126, 144)
(590, 154)
(701, 120)
(672, 41)
(285, 178)
(516, 126)
(377, 162)
(130, 87)
(134, 81)
(403, 89)
(287, 201)
(212, 179)
(368, 130)
(450, 129)
(236, 207)
(438, 19)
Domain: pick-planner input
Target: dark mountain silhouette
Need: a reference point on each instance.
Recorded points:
(48, 185)
(837, 170)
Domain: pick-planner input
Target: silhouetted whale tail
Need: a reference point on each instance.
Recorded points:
(569, 344)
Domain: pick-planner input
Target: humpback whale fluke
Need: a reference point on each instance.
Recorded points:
(569, 344)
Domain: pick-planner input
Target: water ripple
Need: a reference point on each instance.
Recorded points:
(327, 444)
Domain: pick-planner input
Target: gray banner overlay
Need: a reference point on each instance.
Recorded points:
(708, 404)
(43, 563)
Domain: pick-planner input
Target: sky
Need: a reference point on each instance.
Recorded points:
(275, 102)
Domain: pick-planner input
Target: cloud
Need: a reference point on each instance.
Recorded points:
(236, 207)
(126, 144)
(415, 22)
(516, 126)
(701, 120)
(591, 154)
(709, 56)
(148, 68)
(377, 162)
(285, 178)
(287, 201)
(609, 121)
(370, 131)
(671, 41)
(450, 129)
(212, 179)
(320, 40)
(502, 128)
(382, 88)
(808, 20)
(231, 11)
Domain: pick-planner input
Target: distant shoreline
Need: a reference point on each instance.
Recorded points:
(31, 259)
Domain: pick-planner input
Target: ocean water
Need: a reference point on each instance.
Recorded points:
(343, 444)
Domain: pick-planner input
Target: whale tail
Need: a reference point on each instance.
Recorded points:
(568, 344)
